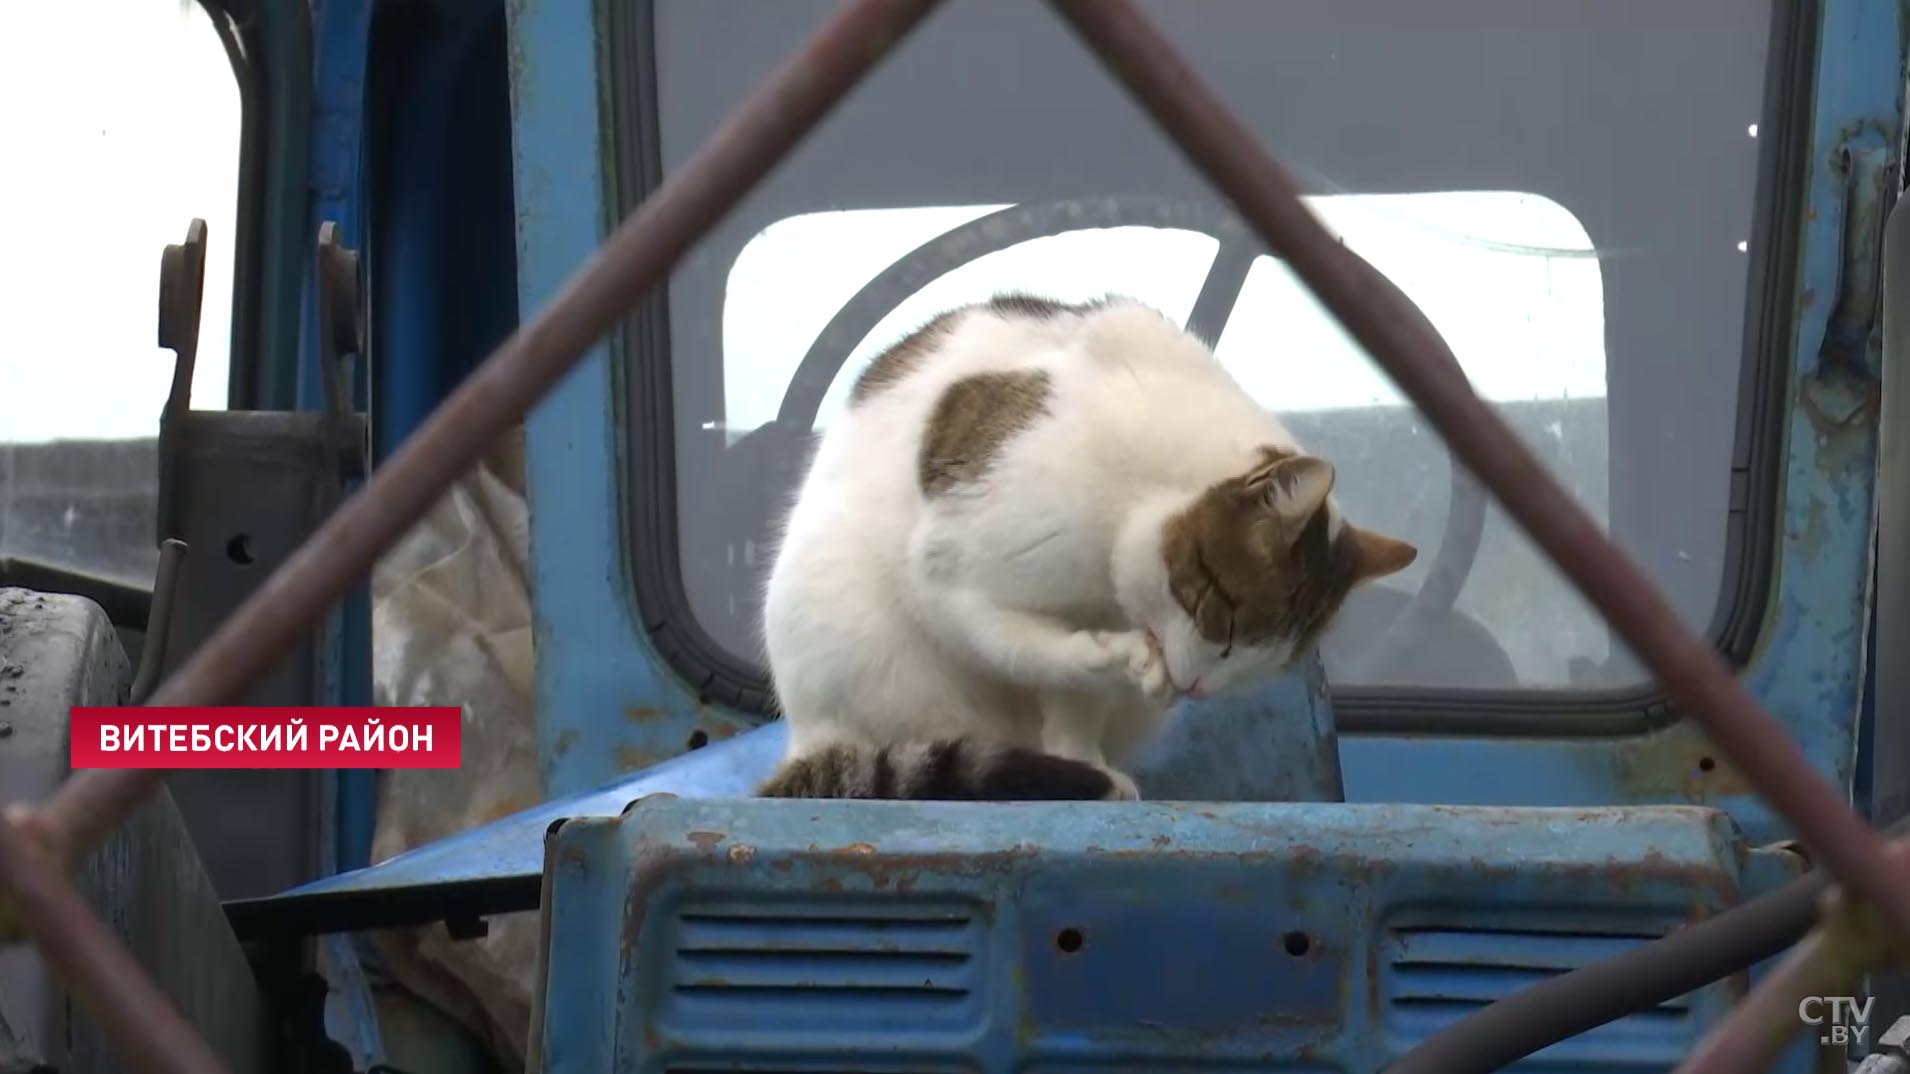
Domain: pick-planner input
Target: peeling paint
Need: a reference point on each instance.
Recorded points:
(1254, 930)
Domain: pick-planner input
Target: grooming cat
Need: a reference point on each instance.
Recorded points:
(1036, 527)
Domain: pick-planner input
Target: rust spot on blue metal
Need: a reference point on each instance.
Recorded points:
(1306, 862)
(634, 758)
(1837, 398)
(705, 840)
(1678, 761)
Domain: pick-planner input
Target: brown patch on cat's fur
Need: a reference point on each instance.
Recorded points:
(973, 421)
(1244, 575)
(894, 365)
(1022, 304)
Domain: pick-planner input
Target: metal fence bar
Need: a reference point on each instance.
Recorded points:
(638, 255)
(1421, 364)
(1830, 961)
(35, 846)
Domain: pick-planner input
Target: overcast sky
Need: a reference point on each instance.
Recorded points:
(121, 122)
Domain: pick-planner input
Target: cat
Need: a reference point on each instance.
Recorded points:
(1035, 529)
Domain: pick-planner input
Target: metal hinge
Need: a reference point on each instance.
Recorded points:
(1869, 167)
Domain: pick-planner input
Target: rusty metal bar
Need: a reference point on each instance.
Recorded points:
(89, 804)
(1759, 1028)
(1422, 365)
(36, 847)
(138, 1019)
(637, 256)
(145, 1032)
(1851, 941)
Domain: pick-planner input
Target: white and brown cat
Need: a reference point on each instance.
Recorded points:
(1035, 528)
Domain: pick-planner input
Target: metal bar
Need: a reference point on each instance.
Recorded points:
(144, 1029)
(1758, 1029)
(501, 390)
(145, 1032)
(90, 804)
(1831, 961)
(152, 654)
(1399, 338)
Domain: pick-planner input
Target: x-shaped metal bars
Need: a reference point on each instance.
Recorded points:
(38, 845)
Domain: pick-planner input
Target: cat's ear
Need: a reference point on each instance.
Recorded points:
(1379, 555)
(1295, 489)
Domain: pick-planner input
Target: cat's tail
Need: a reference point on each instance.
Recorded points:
(948, 770)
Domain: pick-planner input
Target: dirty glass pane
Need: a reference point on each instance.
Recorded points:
(121, 123)
(1565, 189)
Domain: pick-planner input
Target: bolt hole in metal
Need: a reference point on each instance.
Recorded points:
(1297, 944)
(1068, 941)
(1706, 764)
(698, 740)
(239, 549)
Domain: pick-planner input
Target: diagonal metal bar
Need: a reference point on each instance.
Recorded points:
(142, 1027)
(1756, 1032)
(1424, 368)
(1851, 941)
(36, 847)
(634, 259)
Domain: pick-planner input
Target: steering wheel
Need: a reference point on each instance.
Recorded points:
(1466, 505)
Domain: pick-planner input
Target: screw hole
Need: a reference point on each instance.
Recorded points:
(1706, 764)
(1068, 940)
(1297, 944)
(239, 549)
(698, 740)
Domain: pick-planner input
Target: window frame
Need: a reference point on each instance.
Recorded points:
(645, 416)
(271, 53)
(248, 40)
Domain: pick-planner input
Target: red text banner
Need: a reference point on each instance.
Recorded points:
(242, 737)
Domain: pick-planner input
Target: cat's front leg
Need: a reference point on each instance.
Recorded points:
(1029, 648)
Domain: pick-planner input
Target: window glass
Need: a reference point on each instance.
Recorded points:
(122, 122)
(1591, 276)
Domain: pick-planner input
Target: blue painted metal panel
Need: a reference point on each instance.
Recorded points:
(341, 32)
(340, 40)
(695, 935)
(1810, 664)
(512, 847)
(605, 699)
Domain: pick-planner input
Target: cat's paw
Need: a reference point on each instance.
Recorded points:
(1106, 655)
(1123, 789)
(1147, 669)
(1133, 658)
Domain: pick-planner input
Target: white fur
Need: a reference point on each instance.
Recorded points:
(1017, 610)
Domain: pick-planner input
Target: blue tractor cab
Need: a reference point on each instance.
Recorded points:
(1655, 237)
